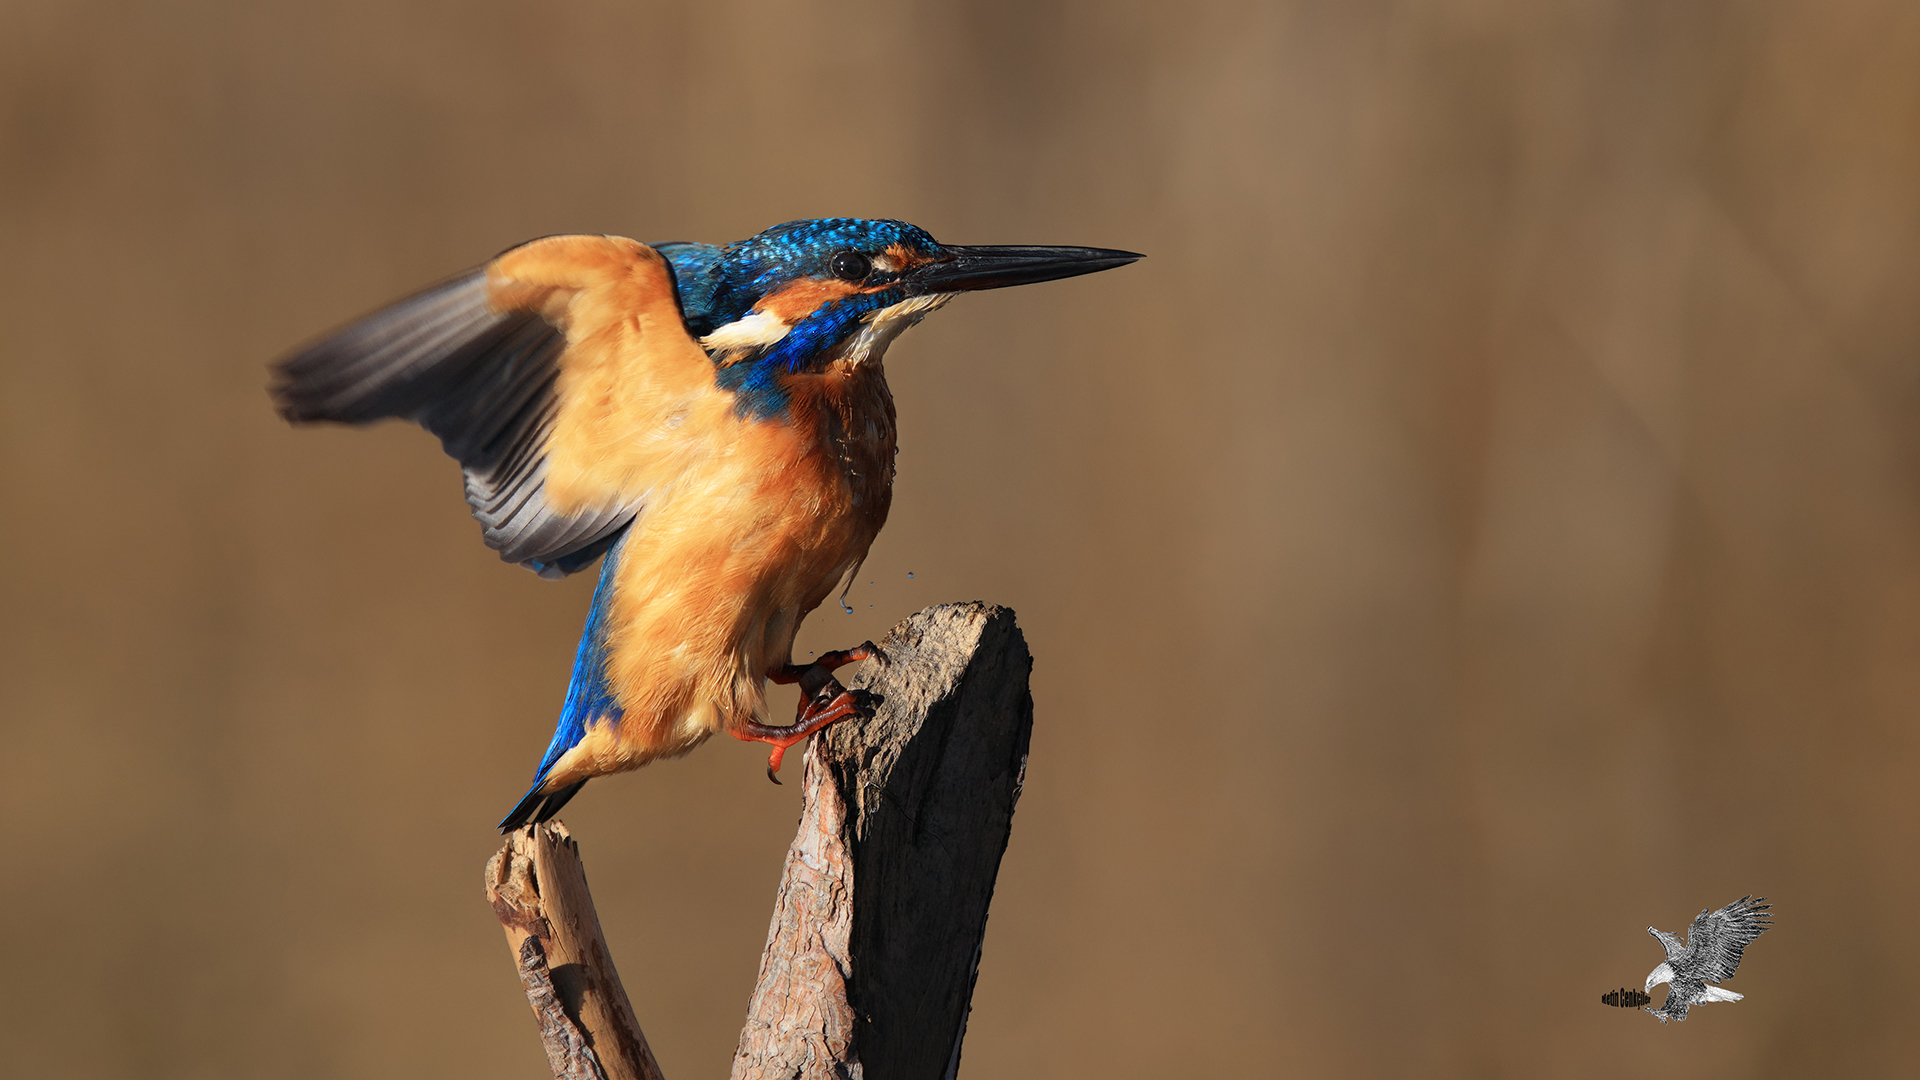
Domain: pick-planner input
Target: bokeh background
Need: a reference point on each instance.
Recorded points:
(1488, 523)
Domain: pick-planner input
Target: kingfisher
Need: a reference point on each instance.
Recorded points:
(711, 423)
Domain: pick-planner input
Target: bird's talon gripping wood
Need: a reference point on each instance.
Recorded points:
(828, 663)
(829, 703)
(713, 421)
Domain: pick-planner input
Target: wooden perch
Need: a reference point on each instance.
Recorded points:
(877, 928)
(876, 934)
(538, 890)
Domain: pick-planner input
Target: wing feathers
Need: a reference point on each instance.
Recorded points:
(1717, 940)
(481, 361)
(385, 364)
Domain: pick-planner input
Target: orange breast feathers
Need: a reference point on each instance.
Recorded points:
(708, 595)
(712, 587)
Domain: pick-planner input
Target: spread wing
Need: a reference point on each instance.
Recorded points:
(1716, 939)
(1669, 942)
(557, 375)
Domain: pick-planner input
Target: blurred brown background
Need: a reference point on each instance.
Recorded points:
(1487, 523)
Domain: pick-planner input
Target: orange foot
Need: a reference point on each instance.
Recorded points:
(822, 701)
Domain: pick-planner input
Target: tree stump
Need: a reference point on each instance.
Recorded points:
(877, 930)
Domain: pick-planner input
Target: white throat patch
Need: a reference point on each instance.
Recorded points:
(878, 330)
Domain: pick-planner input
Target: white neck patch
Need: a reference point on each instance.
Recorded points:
(755, 330)
(878, 330)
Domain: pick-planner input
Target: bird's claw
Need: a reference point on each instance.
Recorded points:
(823, 700)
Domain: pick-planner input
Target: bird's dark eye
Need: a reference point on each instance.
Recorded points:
(850, 265)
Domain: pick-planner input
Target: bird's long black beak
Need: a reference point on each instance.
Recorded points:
(994, 267)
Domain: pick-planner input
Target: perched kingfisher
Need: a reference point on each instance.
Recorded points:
(713, 421)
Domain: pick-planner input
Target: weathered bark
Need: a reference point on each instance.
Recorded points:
(538, 890)
(568, 1053)
(877, 930)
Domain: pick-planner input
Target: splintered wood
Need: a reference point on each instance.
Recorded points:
(881, 914)
(538, 889)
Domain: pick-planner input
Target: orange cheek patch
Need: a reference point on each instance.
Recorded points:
(804, 297)
(902, 258)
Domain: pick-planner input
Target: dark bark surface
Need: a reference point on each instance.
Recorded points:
(877, 933)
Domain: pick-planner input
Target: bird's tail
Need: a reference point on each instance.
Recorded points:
(1714, 993)
(537, 806)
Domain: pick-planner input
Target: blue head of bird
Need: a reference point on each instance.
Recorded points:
(807, 294)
